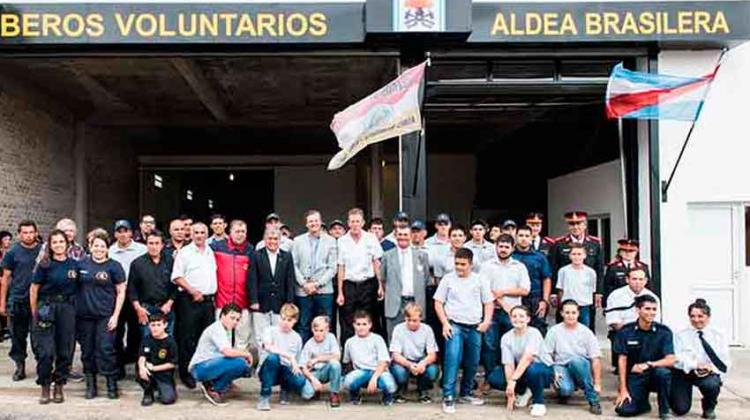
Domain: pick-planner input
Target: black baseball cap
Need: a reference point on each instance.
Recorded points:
(509, 223)
(418, 225)
(273, 216)
(335, 222)
(442, 218)
(122, 224)
(401, 217)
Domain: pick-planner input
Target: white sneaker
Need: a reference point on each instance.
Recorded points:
(470, 399)
(538, 410)
(523, 399)
(449, 407)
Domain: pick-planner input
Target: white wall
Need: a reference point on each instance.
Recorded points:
(451, 185)
(300, 188)
(596, 190)
(714, 169)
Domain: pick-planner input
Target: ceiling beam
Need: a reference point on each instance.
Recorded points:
(101, 97)
(133, 120)
(197, 80)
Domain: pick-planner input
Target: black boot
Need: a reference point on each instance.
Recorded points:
(20, 373)
(148, 398)
(57, 393)
(44, 398)
(90, 386)
(112, 393)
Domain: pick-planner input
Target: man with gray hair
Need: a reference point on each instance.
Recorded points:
(271, 283)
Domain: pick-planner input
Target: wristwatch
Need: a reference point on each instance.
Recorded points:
(650, 364)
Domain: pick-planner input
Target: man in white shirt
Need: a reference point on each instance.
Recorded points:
(359, 283)
(125, 250)
(484, 250)
(509, 281)
(702, 360)
(194, 272)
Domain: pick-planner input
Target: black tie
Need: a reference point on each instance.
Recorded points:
(712, 354)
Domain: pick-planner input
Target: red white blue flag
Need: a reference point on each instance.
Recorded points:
(647, 96)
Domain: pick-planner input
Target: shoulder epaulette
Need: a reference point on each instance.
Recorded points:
(548, 239)
(615, 261)
(594, 238)
(560, 238)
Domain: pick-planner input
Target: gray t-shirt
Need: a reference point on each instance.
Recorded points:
(366, 352)
(463, 297)
(288, 342)
(313, 349)
(413, 345)
(563, 343)
(577, 284)
(513, 346)
(212, 341)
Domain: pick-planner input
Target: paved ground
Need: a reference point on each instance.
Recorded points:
(19, 401)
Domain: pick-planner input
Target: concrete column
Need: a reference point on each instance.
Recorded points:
(81, 181)
(376, 181)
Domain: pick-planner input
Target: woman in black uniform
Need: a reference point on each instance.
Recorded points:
(52, 299)
(101, 294)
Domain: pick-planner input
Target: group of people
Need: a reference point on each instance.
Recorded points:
(209, 306)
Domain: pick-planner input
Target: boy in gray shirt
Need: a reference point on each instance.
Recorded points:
(576, 356)
(367, 353)
(320, 360)
(577, 281)
(414, 353)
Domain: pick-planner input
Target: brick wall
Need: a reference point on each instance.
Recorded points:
(36, 163)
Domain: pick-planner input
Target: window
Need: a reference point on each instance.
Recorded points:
(210, 203)
(189, 195)
(158, 181)
(601, 226)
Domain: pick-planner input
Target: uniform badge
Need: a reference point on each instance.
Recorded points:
(102, 276)
(162, 354)
(72, 274)
(146, 350)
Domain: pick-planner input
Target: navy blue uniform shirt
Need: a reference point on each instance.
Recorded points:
(97, 291)
(643, 346)
(20, 261)
(57, 278)
(537, 265)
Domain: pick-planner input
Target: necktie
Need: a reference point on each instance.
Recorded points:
(712, 354)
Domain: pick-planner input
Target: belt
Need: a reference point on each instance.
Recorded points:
(407, 299)
(206, 298)
(359, 281)
(57, 299)
(465, 325)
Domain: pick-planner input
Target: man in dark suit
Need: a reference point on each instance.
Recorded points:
(270, 283)
(406, 273)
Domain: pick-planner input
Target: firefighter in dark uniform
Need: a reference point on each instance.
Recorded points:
(560, 253)
(616, 274)
(540, 243)
(52, 300)
(645, 353)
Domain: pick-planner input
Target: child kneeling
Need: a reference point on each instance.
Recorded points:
(280, 351)
(157, 361)
(367, 353)
(320, 360)
(414, 353)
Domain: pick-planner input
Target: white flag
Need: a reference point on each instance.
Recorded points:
(392, 111)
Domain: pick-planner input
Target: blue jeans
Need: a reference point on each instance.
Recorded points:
(584, 316)
(576, 374)
(272, 372)
(461, 350)
(359, 378)
(491, 339)
(536, 377)
(153, 309)
(221, 371)
(330, 373)
(309, 308)
(424, 381)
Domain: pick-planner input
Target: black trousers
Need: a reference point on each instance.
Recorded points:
(128, 339)
(682, 391)
(19, 318)
(97, 346)
(162, 385)
(639, 387)
(191, 318)
(360, 296)
(532, 302)
(53, 341)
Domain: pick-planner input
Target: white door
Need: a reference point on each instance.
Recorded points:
(717, 235)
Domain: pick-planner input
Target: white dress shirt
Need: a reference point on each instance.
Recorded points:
(357, 256)
(624, 298)
(407, 271)
(197, 267)
(272, 257)
(689, 349)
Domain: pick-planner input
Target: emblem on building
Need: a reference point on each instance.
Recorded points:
(419, 15)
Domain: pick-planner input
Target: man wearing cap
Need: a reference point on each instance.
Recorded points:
(509, 228)
(125, 250)
(539, 243)
(483, 250)
(194, 273)
(617, 270)
(418, 235)
(560, 253)
(273, 222)
(359, 283)
(439, 243)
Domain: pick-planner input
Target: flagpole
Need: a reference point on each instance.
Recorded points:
(400, 155)
(665, 184)
(622, 176)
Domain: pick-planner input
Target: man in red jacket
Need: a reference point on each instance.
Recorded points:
(234, 257)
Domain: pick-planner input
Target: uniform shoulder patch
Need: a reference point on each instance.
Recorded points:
(548, 240)
(614, 262)
(560, 238)
(594, 238)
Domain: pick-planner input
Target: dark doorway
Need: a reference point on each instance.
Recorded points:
(236, 194)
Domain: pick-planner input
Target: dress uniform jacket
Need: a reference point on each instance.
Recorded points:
(616, 275)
